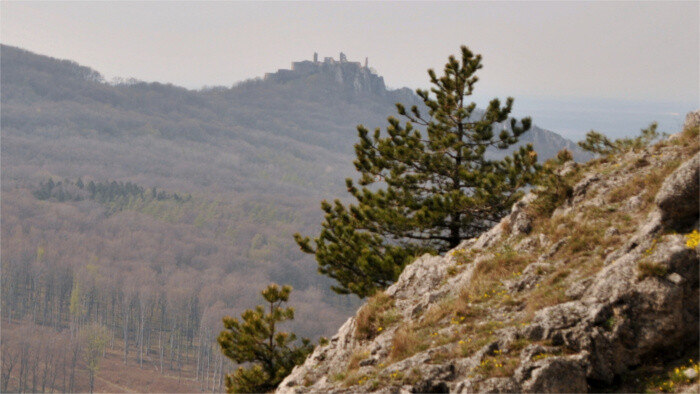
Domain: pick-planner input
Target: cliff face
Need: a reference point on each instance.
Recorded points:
(591, 289)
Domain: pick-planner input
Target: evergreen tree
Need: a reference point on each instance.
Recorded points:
(92, 189)
(599, 144)
(425, 185)
(257, 341)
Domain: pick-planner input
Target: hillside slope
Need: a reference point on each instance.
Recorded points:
(591, 290)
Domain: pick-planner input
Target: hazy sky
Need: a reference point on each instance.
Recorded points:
(644, 51)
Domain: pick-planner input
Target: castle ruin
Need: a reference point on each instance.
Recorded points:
(360, 77)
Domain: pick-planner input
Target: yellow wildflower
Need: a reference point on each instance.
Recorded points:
(693, 239)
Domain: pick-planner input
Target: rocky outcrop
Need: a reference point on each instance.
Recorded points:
(570, 302)
(677, 198)
(692, 119)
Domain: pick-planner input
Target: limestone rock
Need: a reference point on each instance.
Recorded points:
(692, 119)
(600, 317)
(419, 278)
(521, 222)
(690, 373)
(678, 197)
(553, 375)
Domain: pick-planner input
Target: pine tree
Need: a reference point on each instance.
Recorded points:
(425, 185)
(599, 144)
(257, 341)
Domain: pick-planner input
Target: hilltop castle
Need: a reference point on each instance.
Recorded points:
(354, 75)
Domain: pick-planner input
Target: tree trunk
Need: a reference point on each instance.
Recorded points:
(126, 330)
(74, 362)
(162, 347)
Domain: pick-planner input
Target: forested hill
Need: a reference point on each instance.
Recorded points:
(233, 135)
(156, 210)
(313, 117)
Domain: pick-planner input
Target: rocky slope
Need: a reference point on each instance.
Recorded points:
(591, 285)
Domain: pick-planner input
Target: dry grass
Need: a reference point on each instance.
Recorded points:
(371, 317)
(355, 358)
(506, 226)
(651, 269)
(646, 185)
(544, 296)
(555, 229)
(351, 375)
(470, 345)
(587, 244)
(589, 267)
(463, 256)
(407, 341)
(497, 366)
(690, 139)
(351, 378)
(459, 308)
(519, 344)
(629, 189)
(436, 313)
(473, 336)
(488, 274)
(586, 239)
(557, 277)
